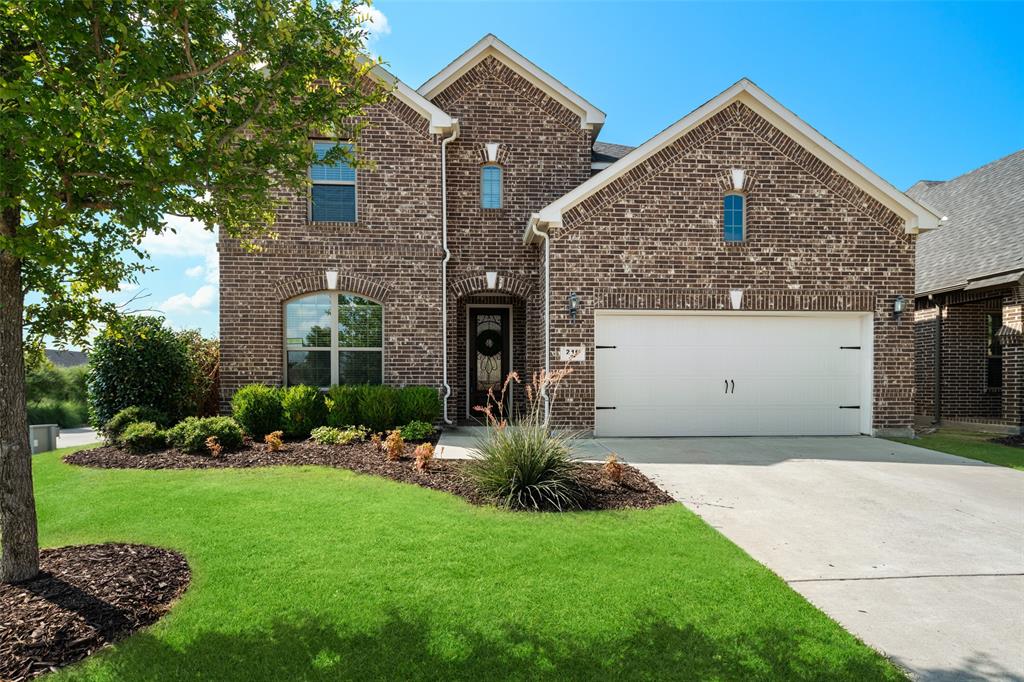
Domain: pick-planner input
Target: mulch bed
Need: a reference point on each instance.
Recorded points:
(84, 598)
(634, 491)
(1013, 441)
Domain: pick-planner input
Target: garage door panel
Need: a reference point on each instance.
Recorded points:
(694, 375)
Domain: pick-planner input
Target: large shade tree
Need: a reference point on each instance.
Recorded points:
(115, 113)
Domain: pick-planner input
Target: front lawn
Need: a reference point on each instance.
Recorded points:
(970, 444)
(316, 573)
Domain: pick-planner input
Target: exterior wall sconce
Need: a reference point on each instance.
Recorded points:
(573, 306)
(332, 279)
(492, 280)
(898, 306)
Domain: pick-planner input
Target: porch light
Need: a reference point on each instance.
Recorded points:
(492, 280)
(898, 306)
(332, 279)
(573, 306)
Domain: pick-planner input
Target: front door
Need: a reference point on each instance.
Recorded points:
(489, 350)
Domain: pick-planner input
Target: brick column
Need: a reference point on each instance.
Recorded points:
(1012, 338)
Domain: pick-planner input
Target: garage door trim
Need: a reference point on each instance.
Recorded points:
(866, 343)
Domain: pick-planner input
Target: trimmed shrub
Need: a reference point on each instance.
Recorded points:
(258, 409)
(116, 425)
(378, 408)
(304, 410)
(191, 434)
(418, 403)
(142, 437)
(332, 435)
(139, 361)
(417, 430)
(526, 467)
(394, 446)
(274, 440)
(66, 413)
(343, 405)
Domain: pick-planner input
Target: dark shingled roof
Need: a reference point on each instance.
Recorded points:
(984, 235)
(606, 152)
(66, 358)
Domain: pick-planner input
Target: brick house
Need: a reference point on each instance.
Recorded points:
(737, 274)
(970, 292)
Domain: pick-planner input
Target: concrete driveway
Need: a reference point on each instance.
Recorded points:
(918, 553)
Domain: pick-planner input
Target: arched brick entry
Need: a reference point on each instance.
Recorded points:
(507, 283)
(318, 282)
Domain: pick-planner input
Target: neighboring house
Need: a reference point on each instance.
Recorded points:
(67, 358)
(970, 291)
(737, 274)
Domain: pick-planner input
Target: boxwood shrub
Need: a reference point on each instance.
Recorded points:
(304, 410)
(190, 434)
(378, 408)
(343, 406)
(142, 437)
(131, 415)
(418, 403)
(258, 409)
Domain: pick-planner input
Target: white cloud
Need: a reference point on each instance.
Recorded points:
(203, 299)
(194, 271)
(374, 21)
(212, 267)
(189, 238)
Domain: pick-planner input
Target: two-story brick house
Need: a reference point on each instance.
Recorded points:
(737, 274)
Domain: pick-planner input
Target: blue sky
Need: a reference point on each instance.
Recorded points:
(912, 90)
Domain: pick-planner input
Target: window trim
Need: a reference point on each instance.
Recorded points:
(743, 217)
(992, 339)
(501, 186)
(334, 348)
(354, 182)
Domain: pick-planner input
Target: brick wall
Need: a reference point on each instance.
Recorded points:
(964, 368)
(544, 154)
(652, 239)
(392, 254)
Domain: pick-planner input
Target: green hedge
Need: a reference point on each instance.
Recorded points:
(190, 434)
(304, 410)
(67, 413)
(258, 409)
(56, 395)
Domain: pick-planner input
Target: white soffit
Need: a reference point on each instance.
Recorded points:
(917, 217)
(440, 122)
(590, 116)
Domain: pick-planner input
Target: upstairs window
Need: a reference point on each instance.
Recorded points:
(994, 351)
(333, 197)
(490, 187)
(334, 339)
(734, 217)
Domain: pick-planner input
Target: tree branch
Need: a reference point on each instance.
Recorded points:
(102, 176)
(188, 44)
(195, 73)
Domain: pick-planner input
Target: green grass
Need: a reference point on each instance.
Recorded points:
(310, 573)
(970, 444)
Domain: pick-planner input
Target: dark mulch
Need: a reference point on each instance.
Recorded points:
(84, 598)
(634, 491)
(1013, 441)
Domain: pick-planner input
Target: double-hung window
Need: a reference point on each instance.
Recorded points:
(733, 218)
(333, 196)
(333, 339)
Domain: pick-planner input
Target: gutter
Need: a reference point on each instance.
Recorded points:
(532, 228)
(445, 388)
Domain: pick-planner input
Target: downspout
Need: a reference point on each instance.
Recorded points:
(547, 316)
(446, 389)
(938, 363)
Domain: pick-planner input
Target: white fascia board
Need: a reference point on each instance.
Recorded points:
(917, 217)
(590, 116)
(440, 122)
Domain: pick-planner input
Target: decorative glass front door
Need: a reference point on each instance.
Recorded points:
(489, 351)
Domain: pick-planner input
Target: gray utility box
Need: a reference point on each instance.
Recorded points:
(43, 437)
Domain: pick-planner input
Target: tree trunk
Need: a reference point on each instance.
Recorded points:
(19, 539)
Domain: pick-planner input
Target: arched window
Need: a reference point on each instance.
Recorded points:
(490, 186)
(734, 217)
(333, 338)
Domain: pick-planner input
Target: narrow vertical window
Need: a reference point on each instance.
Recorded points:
(333, 197)
(994, 350)
(734, 220)
(490, 187)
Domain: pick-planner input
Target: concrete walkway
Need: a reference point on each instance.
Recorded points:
(918, 553)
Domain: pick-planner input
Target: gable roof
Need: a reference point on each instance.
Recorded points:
(439, 121)
(982, 243)
(590, 116)
(608, 152)
(916, 217)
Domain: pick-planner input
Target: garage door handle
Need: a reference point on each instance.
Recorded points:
(727, 386)
(732, 385)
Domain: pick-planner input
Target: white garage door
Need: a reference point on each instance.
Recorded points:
(729, 375)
